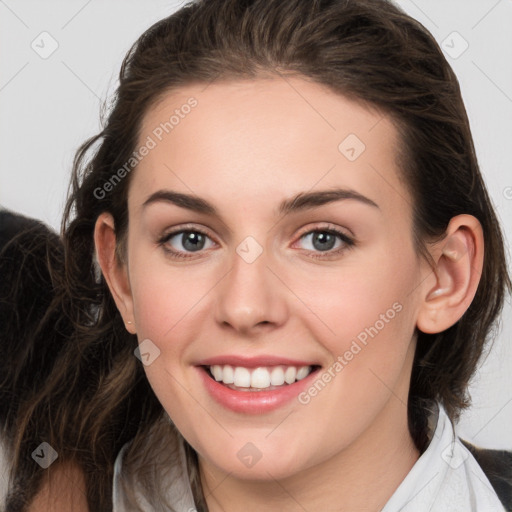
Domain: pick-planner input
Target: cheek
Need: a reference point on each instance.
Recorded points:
(363, 301)
(371, 313)
(165, 299)
(167, 311)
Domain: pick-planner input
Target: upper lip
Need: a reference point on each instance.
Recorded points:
(253, 362)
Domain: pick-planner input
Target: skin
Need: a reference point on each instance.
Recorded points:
(246, 147)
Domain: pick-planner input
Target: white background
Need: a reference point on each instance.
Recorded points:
(49, 106)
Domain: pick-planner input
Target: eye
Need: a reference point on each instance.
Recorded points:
(326, 240)
(183, 243)
(179, 243)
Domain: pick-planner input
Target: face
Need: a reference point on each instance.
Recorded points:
(270, 240)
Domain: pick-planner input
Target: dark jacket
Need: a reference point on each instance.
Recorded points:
(497, 465)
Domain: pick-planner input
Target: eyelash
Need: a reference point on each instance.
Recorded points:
(348, 242)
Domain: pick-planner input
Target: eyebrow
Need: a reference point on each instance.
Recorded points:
(300, 202)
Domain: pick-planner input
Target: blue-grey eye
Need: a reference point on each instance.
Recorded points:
(190, 241)
(324, 240)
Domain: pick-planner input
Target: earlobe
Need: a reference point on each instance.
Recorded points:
(458, 266)
(114, 271)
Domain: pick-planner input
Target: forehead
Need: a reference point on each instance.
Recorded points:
(268, 138)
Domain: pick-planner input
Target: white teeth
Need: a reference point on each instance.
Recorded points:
(217, 372)
(228, 376)
(259, 378)
(277, 376)
(303, 372)
(242, 377)
(290, 374)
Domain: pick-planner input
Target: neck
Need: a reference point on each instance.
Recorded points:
(361, 477)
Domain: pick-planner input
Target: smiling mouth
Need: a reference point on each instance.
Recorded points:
(263, 378)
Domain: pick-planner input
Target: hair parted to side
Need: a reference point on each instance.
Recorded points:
(367, 50)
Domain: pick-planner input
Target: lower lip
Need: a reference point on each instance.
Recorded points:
(253, 402)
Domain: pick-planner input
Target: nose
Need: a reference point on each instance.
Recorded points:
(251, 298)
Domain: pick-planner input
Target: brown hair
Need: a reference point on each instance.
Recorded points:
(367, 50)
(33, 336)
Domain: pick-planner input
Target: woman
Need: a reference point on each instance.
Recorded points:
(283, 266)
(33, 338)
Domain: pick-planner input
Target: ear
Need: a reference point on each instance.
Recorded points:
(114, 271)
(451, 287)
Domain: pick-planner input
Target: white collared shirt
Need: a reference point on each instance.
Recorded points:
(446, 478)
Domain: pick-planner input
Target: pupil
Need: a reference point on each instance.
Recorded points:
(192, 241)
(323, 241)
